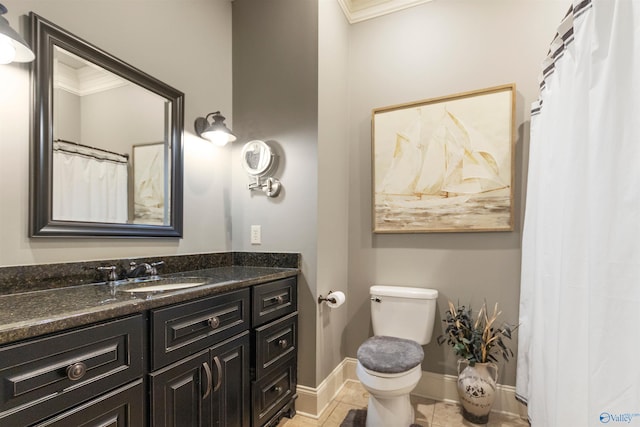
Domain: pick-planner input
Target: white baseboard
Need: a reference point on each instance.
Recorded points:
(313, 401)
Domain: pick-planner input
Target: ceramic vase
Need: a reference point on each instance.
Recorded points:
(477, 390)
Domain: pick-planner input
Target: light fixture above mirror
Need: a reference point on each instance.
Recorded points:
(212, 128)
(13, 48)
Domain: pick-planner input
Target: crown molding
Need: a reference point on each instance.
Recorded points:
(78, 77)
(361, 10)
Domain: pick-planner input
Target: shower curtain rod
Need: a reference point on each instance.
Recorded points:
(91, 148)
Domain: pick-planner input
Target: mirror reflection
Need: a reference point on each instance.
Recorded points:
(257, 158)
(110, 156)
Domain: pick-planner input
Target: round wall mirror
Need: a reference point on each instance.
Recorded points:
(258, 159)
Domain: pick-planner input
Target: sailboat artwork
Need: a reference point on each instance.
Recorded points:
(446, 164)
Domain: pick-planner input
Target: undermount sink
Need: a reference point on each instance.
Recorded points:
(166, 284)
(165, 287)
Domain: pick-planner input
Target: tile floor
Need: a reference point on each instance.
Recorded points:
(429, 413)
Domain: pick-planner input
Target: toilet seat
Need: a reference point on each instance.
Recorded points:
(390, 376)
(389, 355)
(389, 366)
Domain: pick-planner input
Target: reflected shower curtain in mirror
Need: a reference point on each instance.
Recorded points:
(89, 184)
(579, 343)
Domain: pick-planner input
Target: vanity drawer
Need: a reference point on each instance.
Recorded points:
(123, 407)
(181, 330)
(273, 300)
(275, 343)
(272, 392)
(45, 376)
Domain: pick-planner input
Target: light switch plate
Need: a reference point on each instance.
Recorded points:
(256, 235)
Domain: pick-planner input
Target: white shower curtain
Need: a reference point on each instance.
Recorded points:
(579, 336)
(89, 185)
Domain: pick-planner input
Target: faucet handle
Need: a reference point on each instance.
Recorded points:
(109, 272)
(154, 267)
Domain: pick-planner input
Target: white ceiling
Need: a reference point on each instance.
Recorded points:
(360, 10)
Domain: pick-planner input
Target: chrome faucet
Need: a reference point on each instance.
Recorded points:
(111, 273)
(144, 269)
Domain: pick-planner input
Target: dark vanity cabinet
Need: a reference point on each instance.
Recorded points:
(275, 347)
(201, 352)
(227, 360)
(61, 380)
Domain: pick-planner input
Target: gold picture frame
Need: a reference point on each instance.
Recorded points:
(445, 164)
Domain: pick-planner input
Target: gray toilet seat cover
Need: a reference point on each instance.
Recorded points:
(390, 355)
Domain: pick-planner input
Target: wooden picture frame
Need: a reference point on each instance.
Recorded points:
(445, 164)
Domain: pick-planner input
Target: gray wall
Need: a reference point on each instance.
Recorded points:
(436, 49)
(119, 118)
(67, 116)
(185, 43)
(290, 88)
(275, 98)
(333, 182)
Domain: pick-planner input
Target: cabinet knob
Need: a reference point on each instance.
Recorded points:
(283, 343)
(76, 371)
(279, 299)
(213, 322)
(277, 389)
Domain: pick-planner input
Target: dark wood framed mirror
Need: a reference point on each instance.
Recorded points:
(107, 143)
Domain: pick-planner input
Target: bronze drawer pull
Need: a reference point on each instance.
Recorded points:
(283, 343)
(213, 322)
(76, 371)
(207, 371)
(219, 369)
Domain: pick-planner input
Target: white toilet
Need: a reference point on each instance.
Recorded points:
(389, 363)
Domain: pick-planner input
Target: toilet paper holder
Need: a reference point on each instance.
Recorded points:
(322, 299)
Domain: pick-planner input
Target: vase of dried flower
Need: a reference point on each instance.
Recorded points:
(477, 389)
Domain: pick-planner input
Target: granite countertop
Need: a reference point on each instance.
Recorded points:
(29, 314)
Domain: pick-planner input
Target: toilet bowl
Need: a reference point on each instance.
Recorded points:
(389, 396)
(390, 363)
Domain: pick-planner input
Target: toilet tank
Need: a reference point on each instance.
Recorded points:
(403, 312)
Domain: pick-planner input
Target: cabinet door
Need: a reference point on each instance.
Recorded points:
(181, 393)
(231, 396)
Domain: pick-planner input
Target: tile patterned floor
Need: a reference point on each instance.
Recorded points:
(429, 413)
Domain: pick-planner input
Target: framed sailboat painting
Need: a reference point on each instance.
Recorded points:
(445, 164)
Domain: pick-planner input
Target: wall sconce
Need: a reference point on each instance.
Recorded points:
(13, 48)
(216, 132)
